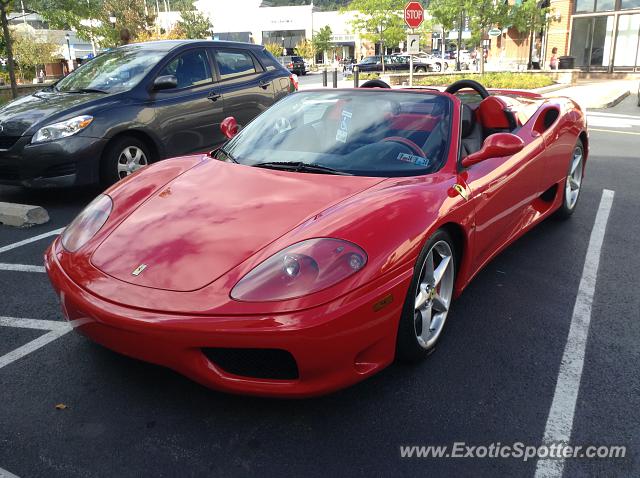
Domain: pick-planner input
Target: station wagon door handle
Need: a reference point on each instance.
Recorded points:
(213, 96)
(264, 84)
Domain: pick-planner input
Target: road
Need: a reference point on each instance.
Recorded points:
(492, 379)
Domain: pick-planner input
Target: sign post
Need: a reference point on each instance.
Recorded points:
(413, 17)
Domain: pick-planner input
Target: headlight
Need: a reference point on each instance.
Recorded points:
(301, 269)
(62, 129)
(87, 223)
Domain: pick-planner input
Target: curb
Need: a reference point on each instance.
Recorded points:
(22, 215)
(613, 102)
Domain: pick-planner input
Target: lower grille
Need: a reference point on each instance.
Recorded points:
(7, 142)
(60, 170)
(254, 363)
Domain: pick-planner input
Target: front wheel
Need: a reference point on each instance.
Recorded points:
(572, 183)
(428, 299)
(122, 157)
(421, 69)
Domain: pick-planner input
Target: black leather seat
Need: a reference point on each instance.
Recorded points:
(471, 132)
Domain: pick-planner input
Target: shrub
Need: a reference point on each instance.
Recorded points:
(490, 80)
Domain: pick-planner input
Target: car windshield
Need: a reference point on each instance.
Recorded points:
(363, 133)
(112, 72)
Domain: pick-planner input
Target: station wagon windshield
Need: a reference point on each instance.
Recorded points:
(363, 133)
(111, 72)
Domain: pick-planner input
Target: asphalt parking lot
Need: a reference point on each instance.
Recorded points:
(494, 377)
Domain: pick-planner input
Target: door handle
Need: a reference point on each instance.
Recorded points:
(213, 96)
(264, 84)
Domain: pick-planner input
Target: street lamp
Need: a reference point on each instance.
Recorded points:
(284, 50)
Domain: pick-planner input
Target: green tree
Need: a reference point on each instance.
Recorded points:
(305, 49)
(274, 48)
(527, 18)
(484, 14)
(29, 53)
(5, 6)
(446, 13)
(194, 25)
(379, 21)
(322, 39)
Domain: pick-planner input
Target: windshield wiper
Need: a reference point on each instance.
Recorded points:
(85, 90)
(301, 167)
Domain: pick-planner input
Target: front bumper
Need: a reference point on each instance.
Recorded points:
(66, 162)
(339, 347)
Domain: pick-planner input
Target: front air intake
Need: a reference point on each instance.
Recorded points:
(255, 363)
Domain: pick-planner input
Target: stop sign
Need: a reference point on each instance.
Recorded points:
(413, 14)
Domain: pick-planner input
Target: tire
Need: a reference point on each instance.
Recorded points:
(421, 69)
(115, 163)
(572, 183)
(414, 342)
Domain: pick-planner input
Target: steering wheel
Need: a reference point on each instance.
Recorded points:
(415, 149)
(453, 88)
(374, 84)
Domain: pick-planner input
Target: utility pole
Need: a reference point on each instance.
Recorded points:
(458, 65)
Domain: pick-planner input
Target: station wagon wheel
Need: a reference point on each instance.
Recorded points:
(573, 182)
(123, 156)
(428, 300)
(131, 159)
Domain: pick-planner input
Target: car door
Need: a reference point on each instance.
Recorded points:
(503, 190)
(246, 88)
(187, 117)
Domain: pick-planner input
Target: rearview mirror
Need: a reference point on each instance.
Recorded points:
(495, 146)
(165, 82)
(229, 127)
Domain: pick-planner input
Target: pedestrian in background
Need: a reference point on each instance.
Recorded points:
(553, 63)
(535, 57)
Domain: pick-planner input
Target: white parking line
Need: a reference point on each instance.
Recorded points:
(30, 240)
(5, 474)
(562, 412)
(21, 268)
(56, 330)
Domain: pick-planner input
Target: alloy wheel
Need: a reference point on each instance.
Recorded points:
(130, 160)
(574, 178)
(433, 294)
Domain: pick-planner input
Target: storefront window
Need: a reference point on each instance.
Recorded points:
(585, 6)
(624, 4)
(591, 41)
(605, 5)
(627, 40)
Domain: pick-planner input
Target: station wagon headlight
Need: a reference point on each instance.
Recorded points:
(62, 129)
(301, 269)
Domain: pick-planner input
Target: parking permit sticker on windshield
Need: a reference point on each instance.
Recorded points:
(410, 158)
(343, 130)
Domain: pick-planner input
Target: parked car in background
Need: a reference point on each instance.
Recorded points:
(400, 63)
(132, 106)
(295, 64)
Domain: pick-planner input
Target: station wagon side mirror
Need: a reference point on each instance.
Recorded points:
(165, 82)
(495, 146)
(229, 127)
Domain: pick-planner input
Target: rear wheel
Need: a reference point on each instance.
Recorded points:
(421, 69)
(572, 183)
(428, 299)
(122, 157)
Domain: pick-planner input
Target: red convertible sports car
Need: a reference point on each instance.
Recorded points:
(324, 240)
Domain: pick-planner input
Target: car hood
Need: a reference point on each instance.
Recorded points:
(21, 114)
(212, 218)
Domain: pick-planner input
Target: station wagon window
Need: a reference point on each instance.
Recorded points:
(190, 69)
(234, 63)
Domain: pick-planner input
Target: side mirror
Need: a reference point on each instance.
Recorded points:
(165, 82)
(229, 127)
(495, 146)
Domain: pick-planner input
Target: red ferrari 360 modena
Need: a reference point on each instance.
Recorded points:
(324, 240)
